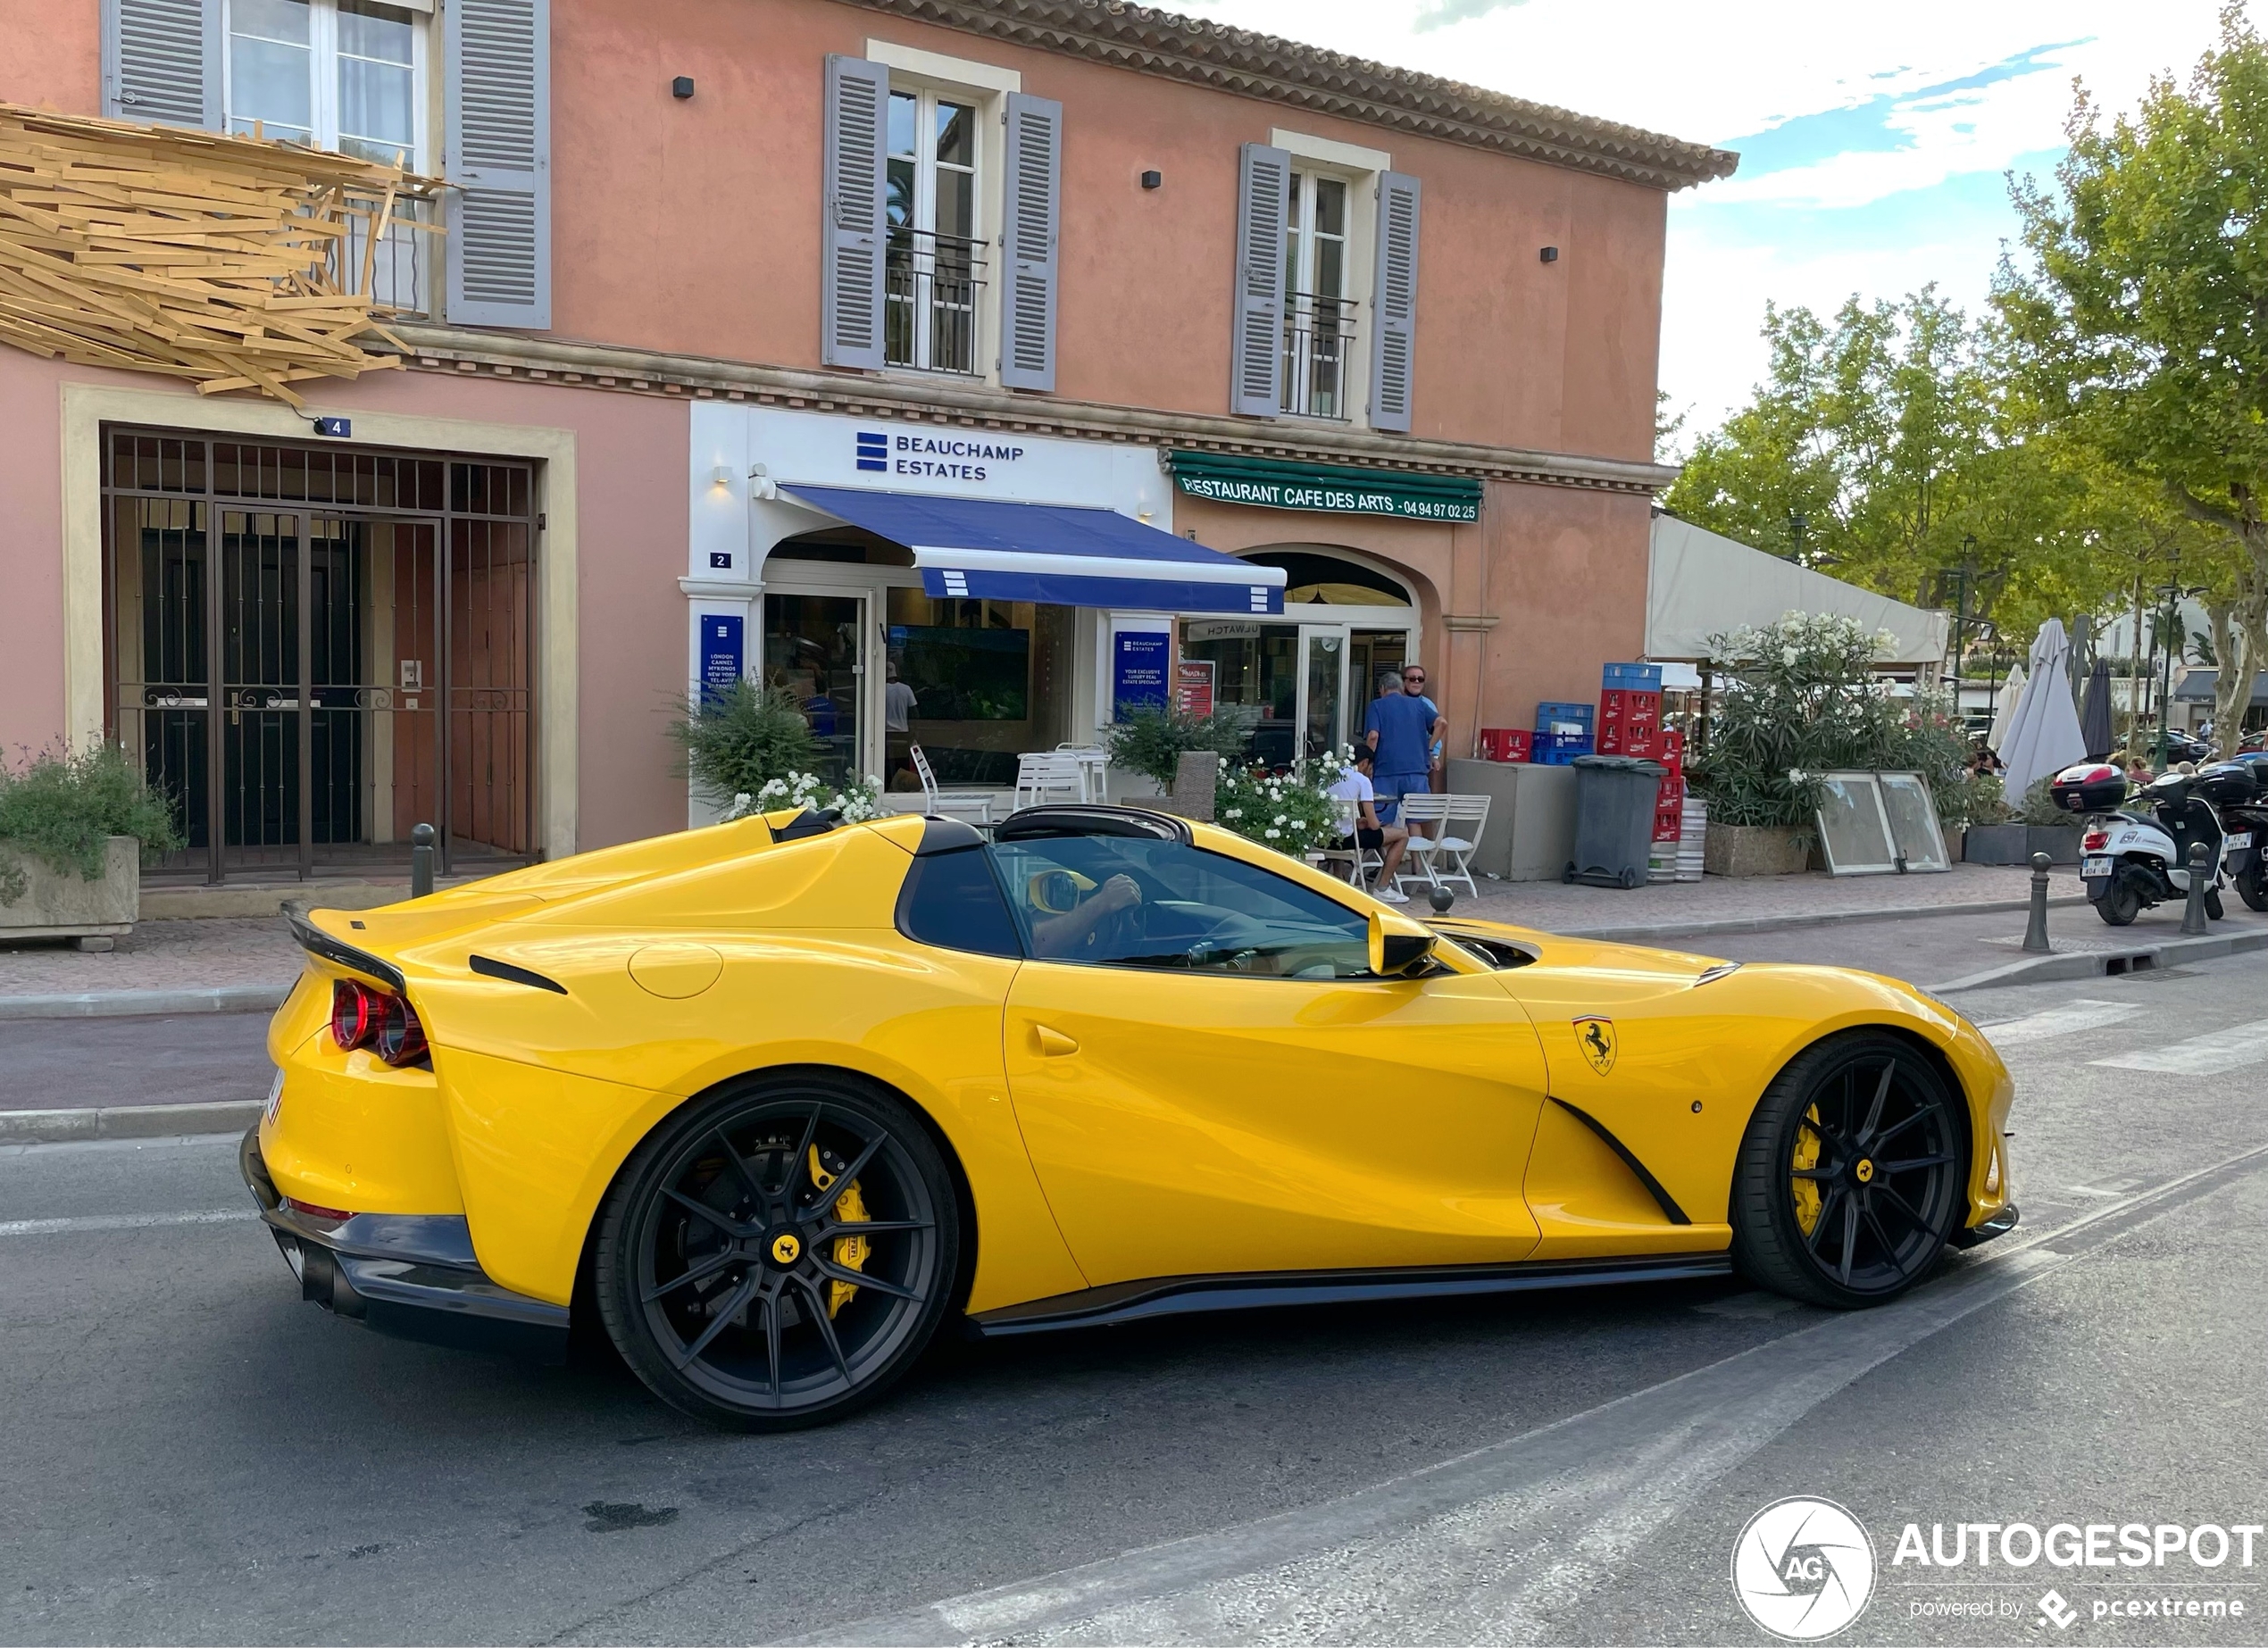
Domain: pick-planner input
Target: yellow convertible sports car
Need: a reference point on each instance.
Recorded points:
(774, 1099)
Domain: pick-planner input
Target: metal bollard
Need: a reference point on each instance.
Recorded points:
(421, 860)
(1440, 898)
(2036, 928)
(2193, 912)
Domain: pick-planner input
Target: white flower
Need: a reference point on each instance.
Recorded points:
(1273, 834)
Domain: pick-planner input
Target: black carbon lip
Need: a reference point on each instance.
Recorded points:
(1184, 1295)
(313, 940)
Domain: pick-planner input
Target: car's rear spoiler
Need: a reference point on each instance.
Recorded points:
(313, 940)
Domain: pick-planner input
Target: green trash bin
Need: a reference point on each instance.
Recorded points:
(1614, 819)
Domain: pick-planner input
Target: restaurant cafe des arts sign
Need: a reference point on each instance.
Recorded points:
(1272, 483)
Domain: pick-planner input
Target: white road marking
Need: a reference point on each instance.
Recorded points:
(1490, 1546)
(2201, 1055)
(122, 1222)
(2067, 1019)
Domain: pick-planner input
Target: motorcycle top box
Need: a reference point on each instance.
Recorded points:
(2230, 783)
(2091, 787)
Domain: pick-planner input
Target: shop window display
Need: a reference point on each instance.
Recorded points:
(974, 683)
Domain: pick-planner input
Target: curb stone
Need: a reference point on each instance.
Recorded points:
(2096, 963)
(1767, 924)
(127, 1121)
(242, 998)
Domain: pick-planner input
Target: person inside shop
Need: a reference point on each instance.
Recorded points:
(899, 704)
(1402, 730)
(1370, 835)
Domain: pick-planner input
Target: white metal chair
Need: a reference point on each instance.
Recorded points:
(1458, 820)
(1046, 776)
(1415, 808)
(1345, 814)
(1094, 761)
(943, 802)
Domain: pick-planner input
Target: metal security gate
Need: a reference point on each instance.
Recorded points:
(315, 649)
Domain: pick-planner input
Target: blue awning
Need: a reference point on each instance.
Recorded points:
(1052, 553)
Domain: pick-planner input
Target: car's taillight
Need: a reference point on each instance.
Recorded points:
(356, 1010)
(2094, 839)
(401, 1039)
(336, 1215)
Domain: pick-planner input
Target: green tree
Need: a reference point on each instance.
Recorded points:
(2142, 314)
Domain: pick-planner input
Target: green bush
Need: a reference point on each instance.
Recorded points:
(740, 737)
(61, 809)
(1800, 698)
(1152, 741)
(1975, 798)
(1290, 811)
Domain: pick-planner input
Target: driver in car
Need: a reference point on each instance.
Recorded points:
(1060, 937)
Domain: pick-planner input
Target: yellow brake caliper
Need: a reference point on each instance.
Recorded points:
(850, 1251)
(1806, 1156)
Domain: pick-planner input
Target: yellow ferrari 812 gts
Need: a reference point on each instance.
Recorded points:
(776, 1099)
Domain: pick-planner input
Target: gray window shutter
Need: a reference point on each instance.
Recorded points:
(1394, 301)
(858, 99)
(1258, 348)
(496, 150)
(1028, 263)
(162, 61)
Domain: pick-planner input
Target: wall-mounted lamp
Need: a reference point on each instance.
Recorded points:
(1152, 179)
(722, 475)
(1550, 255)
(681, 87)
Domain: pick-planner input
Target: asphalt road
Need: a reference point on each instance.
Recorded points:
(192, 1454)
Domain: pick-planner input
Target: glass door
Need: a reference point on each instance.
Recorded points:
(815, 648)
(1322, 689)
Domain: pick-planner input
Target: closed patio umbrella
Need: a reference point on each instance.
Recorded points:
(2095, 714)
(2043, 733)
(2004, 707)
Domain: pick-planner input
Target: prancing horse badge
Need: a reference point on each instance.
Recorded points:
(1595, 1036)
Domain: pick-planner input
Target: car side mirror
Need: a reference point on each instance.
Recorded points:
(1398, 946)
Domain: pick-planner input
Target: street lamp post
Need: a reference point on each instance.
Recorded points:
(1797, 521)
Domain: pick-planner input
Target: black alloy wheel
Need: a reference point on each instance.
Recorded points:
(1852, 1175)
(2252, 886)
(2214, 908)
(780, 1253)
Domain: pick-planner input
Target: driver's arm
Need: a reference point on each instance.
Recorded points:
(1059, 936)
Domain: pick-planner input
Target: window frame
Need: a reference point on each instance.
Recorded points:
(1359, 168)
(323, 62)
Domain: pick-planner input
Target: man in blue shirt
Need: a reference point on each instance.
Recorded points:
(1401, 730)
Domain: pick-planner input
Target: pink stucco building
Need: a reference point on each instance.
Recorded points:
(781, 337)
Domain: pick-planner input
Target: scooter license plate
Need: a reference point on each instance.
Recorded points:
(2089, 869)
(2242, 838)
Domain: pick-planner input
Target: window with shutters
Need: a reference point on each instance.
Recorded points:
(934, 268)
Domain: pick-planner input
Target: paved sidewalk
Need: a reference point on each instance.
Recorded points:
(1555, 908)
(159, 955)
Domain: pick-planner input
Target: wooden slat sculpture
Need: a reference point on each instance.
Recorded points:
(234, 263)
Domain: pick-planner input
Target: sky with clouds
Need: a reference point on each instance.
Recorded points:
(1874, 141)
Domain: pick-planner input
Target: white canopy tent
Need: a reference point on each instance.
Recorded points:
(1703, 584)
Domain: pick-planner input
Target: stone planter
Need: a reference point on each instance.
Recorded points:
(57, 905)
(1754, 849)
(2015, 843)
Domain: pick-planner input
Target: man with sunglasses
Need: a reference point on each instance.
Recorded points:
(1403, 730)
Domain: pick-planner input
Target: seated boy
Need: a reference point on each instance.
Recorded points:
(1387, 840)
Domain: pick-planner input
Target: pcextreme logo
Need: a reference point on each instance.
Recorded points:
(1802, 1568)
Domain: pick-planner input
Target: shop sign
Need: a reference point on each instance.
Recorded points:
(1326, 488)
(1218, 629)
(1193, 685)
(721, 652)
(1139, 659)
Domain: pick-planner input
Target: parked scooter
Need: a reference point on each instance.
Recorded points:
(2233, 787)
(2132, 858)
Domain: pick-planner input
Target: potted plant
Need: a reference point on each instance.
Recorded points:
(1802, 698)
(2038, 825)
(74, 831)
(1291, 812)
(750, 749)
(1152, 741)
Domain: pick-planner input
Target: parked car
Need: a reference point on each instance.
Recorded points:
(774, 1101)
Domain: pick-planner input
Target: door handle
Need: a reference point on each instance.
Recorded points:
(1052, 1044)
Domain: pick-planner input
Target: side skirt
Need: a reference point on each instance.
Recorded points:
(1188, 1295)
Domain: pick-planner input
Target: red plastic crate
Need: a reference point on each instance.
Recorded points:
(1640, 741)
(1613, 701)
(1611, 737)
(1509, 744)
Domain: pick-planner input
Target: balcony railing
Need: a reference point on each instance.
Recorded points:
(930, 284)
(1318, 334)
(399, 276)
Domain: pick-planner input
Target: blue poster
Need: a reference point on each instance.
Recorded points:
(721, 651)
(1140, 662)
